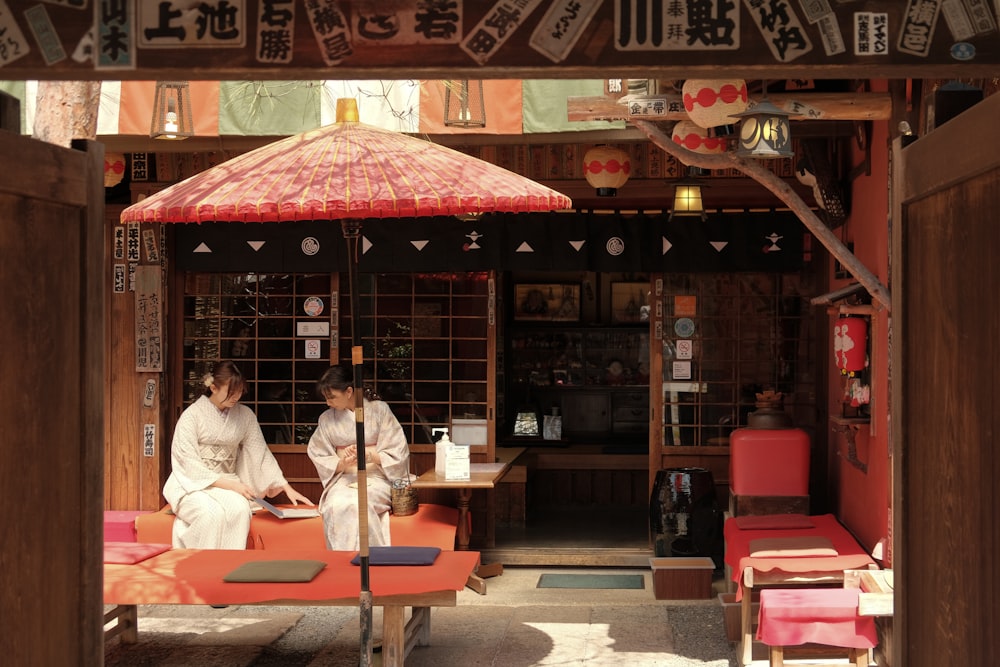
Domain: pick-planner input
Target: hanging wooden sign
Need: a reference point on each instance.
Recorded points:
(148, 319)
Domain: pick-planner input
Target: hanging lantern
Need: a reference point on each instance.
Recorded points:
(687, 196)
(172, 117)
(695, 138)
(114, 169)
(850, 344)
(711, 103)
(764, 132)
(607, 169)
(464, 104)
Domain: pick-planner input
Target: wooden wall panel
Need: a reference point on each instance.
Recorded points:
(946, 362)
(133, 480)
(51, 414)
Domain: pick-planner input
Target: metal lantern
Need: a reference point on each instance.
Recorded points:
(850, 344)
(172, 117)
(464, 104)
(764, 132)
(711, 103)
(687, 197)
(696, 139)
(607, 169)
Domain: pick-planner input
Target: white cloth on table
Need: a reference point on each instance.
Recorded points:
(339, 503)
(210, 444)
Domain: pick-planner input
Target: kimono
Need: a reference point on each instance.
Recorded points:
(339, 503)
(210, 444)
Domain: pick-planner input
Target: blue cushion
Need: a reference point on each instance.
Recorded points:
(399, 556)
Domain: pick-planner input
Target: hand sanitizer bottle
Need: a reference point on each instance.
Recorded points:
(441, 451)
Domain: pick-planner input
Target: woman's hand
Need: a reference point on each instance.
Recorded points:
(234, 485)
(296, 497)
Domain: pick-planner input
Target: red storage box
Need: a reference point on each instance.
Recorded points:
(769, 462)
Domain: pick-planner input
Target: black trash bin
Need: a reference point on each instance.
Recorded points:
(684, 514)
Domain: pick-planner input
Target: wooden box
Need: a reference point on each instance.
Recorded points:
(682, 578)
(731, 615)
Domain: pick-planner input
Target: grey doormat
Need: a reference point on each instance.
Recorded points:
(635, 581)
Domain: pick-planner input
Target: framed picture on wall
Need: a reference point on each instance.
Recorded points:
(547, 302)
(629, 302)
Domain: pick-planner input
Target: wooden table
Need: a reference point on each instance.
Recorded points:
(481, 476)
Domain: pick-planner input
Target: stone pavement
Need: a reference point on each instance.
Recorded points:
(515, 624)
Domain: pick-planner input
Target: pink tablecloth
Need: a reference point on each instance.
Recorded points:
(828, 616)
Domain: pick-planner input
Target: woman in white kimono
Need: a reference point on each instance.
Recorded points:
(220, 463)
(333, 449)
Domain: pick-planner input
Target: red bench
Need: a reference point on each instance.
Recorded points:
(431, 525)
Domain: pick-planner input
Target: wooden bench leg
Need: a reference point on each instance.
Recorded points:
(777, 656)
(745, 648)
(126, 617)
(393, 635)
(858, 657)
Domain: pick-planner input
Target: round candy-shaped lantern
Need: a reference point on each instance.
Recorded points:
(711, 102)
(114, 169)
(606, 169)
(694, 138)
(850, 343)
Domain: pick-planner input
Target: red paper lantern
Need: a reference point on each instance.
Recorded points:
(606, 169)
(695, 138)
(850, 344)
(711, 102)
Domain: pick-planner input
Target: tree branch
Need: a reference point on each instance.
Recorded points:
(755, 170)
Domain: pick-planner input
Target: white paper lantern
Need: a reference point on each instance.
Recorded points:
(696, 139)
(606, 168)
(711, 102)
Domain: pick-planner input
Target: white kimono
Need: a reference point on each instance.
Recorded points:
(210, 444)
(339, 503)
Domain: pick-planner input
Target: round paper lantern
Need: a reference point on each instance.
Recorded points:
(114, 169)
(850, 343)
(694, 138)
(607, 169)
(711, 102)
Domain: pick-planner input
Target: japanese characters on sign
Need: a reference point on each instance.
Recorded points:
(561, 27)
(516, 34)
(505, 17)
(148, 319)
(678, 26)
(781, 29)
(331, 30)
(197, 23)
(13, 45)
(275, 31)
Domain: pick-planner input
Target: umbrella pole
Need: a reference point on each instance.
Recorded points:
(352, 233)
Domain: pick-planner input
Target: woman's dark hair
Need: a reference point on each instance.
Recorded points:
(339, 378)
(224, 371)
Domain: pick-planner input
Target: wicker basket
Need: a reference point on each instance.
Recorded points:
(404, 498)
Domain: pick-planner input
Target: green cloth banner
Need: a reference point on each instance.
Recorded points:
(544, 105)
(269, 108)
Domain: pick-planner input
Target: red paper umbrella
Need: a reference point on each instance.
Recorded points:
(347, 171)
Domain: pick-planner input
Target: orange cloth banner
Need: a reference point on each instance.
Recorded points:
(135, 111)
(502, 103)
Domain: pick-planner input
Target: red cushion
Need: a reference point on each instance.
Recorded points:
(129, 553)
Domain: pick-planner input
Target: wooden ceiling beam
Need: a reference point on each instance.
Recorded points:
(807, 106)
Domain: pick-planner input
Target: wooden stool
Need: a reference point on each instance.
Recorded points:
(825, 616)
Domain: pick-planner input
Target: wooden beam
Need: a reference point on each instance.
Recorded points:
(808, 106)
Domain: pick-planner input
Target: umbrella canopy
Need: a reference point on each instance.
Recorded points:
(345, 170)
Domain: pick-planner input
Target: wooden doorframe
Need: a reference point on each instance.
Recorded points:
(52, 401)
(943, 392)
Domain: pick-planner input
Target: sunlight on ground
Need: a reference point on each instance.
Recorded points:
(195, 626)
